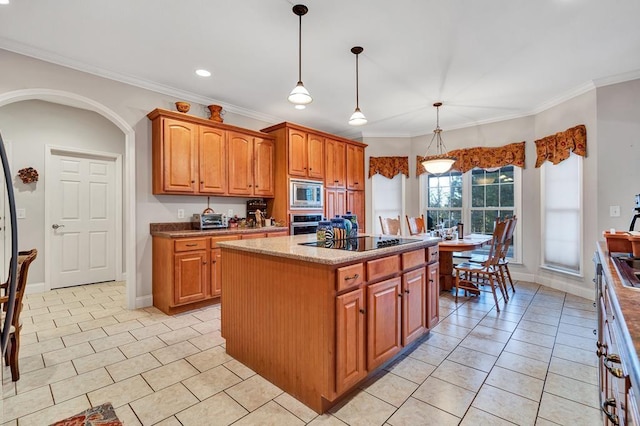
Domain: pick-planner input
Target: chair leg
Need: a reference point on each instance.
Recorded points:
(13, 356)
(493, 290)
(457, 285)
(503, 284)
(506, 267)
(6, 354)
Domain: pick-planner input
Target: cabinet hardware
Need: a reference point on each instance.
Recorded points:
(595, 332)
(204, 263)
(362, 311)
(191, 244)
(353, 277)
(600, 345)
(615, 371)
(430, 280)
(201, 182)
(399, 294)
(336, 181)
(407, 291)
(610, 402)
(193, 181)
(56, 226)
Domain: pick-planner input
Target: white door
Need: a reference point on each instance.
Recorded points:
(82, 220)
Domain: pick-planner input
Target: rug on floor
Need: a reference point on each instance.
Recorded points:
(102, 415)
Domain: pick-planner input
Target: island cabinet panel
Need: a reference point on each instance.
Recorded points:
(414, 304)
(433, 295)
(383, 321)
(350, 340)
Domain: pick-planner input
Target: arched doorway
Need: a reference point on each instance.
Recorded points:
(77, 101)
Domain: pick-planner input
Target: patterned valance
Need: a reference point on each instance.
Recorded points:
(388, 166)
(482, 157)
(558, 147)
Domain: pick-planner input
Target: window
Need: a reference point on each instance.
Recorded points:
(387, 198)
(474, 198)
(562, 215)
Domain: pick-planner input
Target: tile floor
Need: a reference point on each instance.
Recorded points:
(532, 363)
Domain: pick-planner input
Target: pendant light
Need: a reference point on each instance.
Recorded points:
(300, 96)
(357, 118)
(440, 162)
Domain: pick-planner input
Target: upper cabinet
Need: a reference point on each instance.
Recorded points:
(305, 153)
(355, 167)
(192, 155)
(336, 162)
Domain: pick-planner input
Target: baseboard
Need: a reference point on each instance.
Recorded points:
(144, 301)
(34, 288)
(577, 289)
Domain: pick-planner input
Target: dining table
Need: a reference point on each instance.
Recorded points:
(448, 247)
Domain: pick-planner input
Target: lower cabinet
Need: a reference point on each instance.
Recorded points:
(191, 281)
(350, 343)
(414, 305)
(383, 321)
(433, 295)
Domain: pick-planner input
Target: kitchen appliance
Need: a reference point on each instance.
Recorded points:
(637, 215)
(257, 204)
(209, 221)
(363, 243)
(306, 194)
(304, 223)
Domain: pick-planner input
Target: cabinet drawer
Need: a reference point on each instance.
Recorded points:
(412, 259)
(432, 254)
(215, 240)
(349, 276)
(384, 267)
(190, 244)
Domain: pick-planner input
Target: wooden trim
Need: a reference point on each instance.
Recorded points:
(288, 125)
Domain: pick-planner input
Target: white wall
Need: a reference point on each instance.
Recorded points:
(30, 125)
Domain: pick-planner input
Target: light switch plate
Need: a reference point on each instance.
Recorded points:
(614, 211)
(21, 213)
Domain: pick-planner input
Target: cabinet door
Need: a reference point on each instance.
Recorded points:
(263, 174)
(350, 362)
(179, 156)
(433, 295)
(355, 167)
(355, 205)
(216, 272)
(414, 305)
(212, 155)
(383, 321)
(315, 156)
(335, 164)
(335, 201)
(297, 153)
(240, 164)
(191, 281)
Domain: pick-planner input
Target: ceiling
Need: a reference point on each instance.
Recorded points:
(485, 60)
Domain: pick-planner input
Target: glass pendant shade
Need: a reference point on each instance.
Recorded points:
(440, 162)
(300, 95)
(357, 118)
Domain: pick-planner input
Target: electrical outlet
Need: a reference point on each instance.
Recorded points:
(614, 211)
(230, 213)
(21, 213)
(180, 213)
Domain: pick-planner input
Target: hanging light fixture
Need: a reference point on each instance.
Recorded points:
(357, 118)
(300, 96)
(441, 162)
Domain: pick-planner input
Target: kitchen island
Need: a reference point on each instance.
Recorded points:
(316, 321)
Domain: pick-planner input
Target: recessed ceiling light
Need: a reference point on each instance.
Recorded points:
(200, 72)
(4, 1)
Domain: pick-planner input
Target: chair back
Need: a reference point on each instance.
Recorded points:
(24, 260)
(415, 225)
(508, 238)
(497, 243)
(390, 226)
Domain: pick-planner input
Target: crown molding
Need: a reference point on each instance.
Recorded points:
(66, 62)
(618, 78)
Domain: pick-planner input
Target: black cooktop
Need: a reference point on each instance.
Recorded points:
(361, 243)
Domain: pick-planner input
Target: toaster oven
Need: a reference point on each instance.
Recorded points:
(210, 221)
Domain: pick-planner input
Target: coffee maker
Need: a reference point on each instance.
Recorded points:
(637, 215)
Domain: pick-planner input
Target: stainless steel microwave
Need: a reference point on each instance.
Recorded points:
(306, 194)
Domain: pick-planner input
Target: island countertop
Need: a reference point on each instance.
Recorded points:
(289, 247)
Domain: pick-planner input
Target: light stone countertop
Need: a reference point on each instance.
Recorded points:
(216, 232)
(289, 247)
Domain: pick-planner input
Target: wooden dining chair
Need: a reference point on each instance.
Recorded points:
(13, 349)
(416, 225)
(471, 276)
(390, 226)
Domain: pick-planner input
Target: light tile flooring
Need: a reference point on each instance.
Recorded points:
(532, 363)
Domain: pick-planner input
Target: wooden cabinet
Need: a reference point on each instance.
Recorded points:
(414, 305)
(251, 160)
(433, 295)
(306, 154)
(350, 340)
(335, 164)
(355, 167)
(335, 201)
(194, 156)
(355, 205)
(187, 272)
(383, 321)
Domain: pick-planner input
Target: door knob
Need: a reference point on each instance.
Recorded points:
(56, 226)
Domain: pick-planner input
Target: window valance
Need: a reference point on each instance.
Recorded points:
(388, 166)
(482, 157)
(558, 147)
